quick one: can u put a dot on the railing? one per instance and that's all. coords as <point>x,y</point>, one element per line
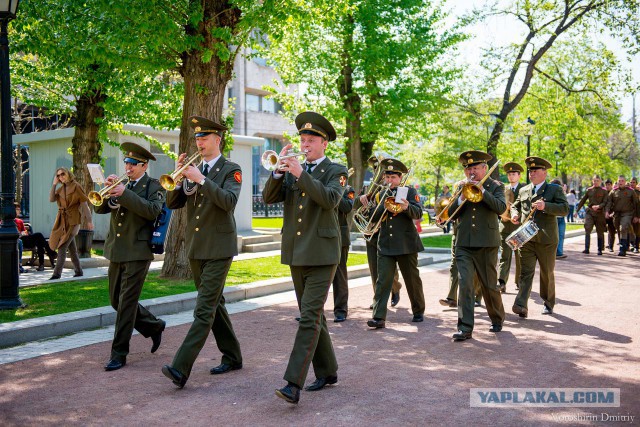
<point>261,209</point>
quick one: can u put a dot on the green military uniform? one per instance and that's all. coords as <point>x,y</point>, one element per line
<point>311,248</point>
<point>636,225</point>
<point>211,244</point>
<point>476,250</point>
<point>452,297</point>
<point>623,204</point>
<point>542,247</point>
<point>597,196</point>
<point>398,244</point>
<point>341,280</point>
<point>506,228</point>
<point>128,249</point>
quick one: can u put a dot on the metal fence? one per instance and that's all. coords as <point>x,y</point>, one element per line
<point>261,209</point>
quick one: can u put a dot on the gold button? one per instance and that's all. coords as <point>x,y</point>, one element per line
<point>201,194</point>
<point>298,233</point>
<point>121,213</point>
<point>200,205</point>
<point>390,234</point>
<point>473,216</point>
<point>474,209</point>
<point>299,219</point>
<point>197,229</point>
<point>302,194</point>
<point>198,217</point>
<point>119,224</point>
<point>118,234</point>
<point>391,226</point>
<point>300,206</point>
<point>473,225</point>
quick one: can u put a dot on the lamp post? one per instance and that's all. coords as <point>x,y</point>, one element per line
<point>9,281</point>
<point>557,154</point>
<point>531,123</point>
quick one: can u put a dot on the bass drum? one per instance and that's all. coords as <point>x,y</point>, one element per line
<point>522,235</point>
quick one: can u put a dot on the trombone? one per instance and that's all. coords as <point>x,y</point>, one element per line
<point>472,192</point>
<point>170,181</point>
<point>97,197</point>
<point>271,160</point>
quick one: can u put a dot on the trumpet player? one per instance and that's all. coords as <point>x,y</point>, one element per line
<point>511,191</point>
<point>549,201</point>
<point>133,208</point>
<point>311,248</point>
<point>210,242</point>
<point>398,244</point>
<point>477,241</point>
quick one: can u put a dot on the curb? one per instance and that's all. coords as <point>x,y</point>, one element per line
<point>22,331</point>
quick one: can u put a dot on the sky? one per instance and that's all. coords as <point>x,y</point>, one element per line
<point>503,30</point>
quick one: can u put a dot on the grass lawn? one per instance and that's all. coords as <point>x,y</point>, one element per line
<point>573,226</point>
<point>266,222</point>
<point>65,297</point>
<point>437,241</point>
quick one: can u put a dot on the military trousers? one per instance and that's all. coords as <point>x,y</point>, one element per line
<point>341,285</point>
<point>372,260</point>
<point>545,255</point>
<point>611,228</point>
<point>386,270</point>
<point>453,280</point>
<point>622,223</point>
<point>312,344</point>
<point>480,262</point>
<point>125,285</point>
<point>592,219</point>
<point>209,315</point>
<point>506,256</point>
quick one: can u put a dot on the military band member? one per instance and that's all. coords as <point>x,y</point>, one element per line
<point>597,197</point>
<point>477,243</point>
<point>210,196</point>
<point>549,202</point>
<point>310,246</point>
<point>611,228</point>
<point>372,253</point>
<point>133,208</point>
<point>398,244</point>
<point>341,280</point>
<point>622,205</point>
<point>511,191</point>
<point>635,242</point>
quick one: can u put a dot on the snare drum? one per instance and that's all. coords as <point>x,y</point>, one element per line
<point>522,235</point>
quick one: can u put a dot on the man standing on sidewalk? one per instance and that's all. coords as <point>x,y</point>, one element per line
<point>511,191</point>
<point>597,197</point>
<point>622,206</point>
<point>211,243</point>
<point>310,246</point>
<point>133,208</point>
<point>341,279</point>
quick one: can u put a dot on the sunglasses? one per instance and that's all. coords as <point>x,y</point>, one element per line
<point>61,174</point>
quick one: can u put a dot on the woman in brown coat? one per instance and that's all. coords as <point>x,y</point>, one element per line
<point>72,211</point>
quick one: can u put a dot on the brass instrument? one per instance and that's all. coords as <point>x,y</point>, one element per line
<point>271,160</point>
<point>472,192</point>
<point>97,197</point>
<point>170,181</point>
<point>363,213</point>
<point>511,197</point>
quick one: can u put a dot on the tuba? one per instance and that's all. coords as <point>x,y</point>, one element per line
<point>363,213</point>
<point>97,197</point>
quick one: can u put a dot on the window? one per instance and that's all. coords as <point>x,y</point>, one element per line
<point>253,102</point>
<point>264,104</point>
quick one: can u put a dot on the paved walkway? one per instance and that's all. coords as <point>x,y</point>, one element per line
<point>407,374</point>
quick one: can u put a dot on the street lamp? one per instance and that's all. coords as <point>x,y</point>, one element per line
<point>557,154</point>
<point>531,123</point>
<point>9,280</point>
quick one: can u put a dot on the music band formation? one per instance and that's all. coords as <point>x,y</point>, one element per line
<point>518,221</point>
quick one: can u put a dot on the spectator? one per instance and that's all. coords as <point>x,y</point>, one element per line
<point>446,194</point>
<point>562,225</point>
<point>33,240</point>
<point>571,199</point>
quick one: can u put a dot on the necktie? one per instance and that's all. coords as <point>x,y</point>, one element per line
<point>205,169</point>
<point>310,166</point>
<point>131,185</point>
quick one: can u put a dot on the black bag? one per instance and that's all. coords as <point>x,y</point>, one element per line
<point>160,228</point>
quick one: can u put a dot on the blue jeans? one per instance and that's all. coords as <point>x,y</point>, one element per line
<point>570,214</point>
<point>562,225</point>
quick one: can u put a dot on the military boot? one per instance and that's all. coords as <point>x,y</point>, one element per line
<point>623,247</point>
<point>587,243</point>
<point>600,245</point>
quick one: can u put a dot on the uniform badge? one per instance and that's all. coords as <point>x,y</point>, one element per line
<point>343,180</point>
<point>417,198</point>
<point>238,176</point>
<point>194,120</point>
<point>351,195</point>
<point>307,126</point>
<point>197,129</point>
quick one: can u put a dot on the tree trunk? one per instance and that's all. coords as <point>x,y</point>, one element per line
<point>205,88</point>
<point>85,145</point>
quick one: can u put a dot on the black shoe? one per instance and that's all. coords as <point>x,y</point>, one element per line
<point>586,251</point>
<point>448,302</point>
<point>21,269</point>
<point>610,248</point>
<point>461,336</point>
<point>41,267</point>
<point>114,365</point>
<point>547,310</point>
<point>339,318</point>
<point>495,328</point>
<point>174,375</point>
<point>290,393</point>
<point>223,368</point>
<point>520,310</point>
<point>622,253</point>
<point>78,274</point>
<point>319,383</point>
<point>599,252</point>
<point>502,286</point>
<point>395,299</point>
<point>157,338</point>
<point>54,277</point>
<point>376,323</point>
<point>418,318</point>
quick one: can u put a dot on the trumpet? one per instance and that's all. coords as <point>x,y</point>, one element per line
<point>271,160</point>
<point>97,197</point>
<point>170,181</point>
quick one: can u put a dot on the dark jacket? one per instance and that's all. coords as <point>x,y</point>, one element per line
<point>555,205</point>
<point>344,208</point>
<point>398,234</point>
<point>597,196</point>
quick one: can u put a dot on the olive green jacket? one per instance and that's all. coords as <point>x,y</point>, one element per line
<point>478,222</point>
<point>211,227</point>
<point>344,208</point>
<point>311,232</point>
<point>597,196</point>
<point>507,227</point>
<point>132,218</point>
<point>398,234</point>
<point>623,201</point>
<point>555,205</point>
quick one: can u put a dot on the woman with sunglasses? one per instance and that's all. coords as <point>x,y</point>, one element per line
<point>72,211</point>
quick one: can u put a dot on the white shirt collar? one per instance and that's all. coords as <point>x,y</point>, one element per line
<point>211,162</point>
<point>317,162</point>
